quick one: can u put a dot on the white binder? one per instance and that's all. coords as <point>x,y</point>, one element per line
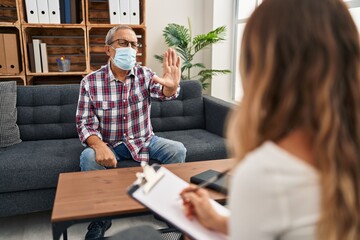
<point>124,12</point>
<point>114,11</point>
<point>54,11</point>
<point>134,12</point>
<point>44,58</point>
<point>43,11</point>
<point>31,11</point>
<point>37,55</point>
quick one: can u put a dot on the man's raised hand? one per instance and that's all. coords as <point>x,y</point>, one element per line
<point>171,72</point>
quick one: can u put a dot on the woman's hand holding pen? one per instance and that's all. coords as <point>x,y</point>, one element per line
<point>197,205</point>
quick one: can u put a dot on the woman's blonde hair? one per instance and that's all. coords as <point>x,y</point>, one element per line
<point>300,65</point>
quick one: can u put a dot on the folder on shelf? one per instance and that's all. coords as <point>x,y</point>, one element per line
<point>62,10</point>
<point>54,11</point>
<point>44,58</point>
<point>134,12</point>
<point>2,55</point>
<point>31,11</point>
<point>43,11</point>
<point>11,53</point>
<point>73,11</point>
<point>37,55</point>
<point>124,12</point>
<point>79,16</point>
<point>161,185</point>
<point>67,9</point>
<point>31,57</point>
<point>114,11</point>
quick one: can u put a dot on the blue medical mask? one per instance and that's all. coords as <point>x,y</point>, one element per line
<point>125,58</point>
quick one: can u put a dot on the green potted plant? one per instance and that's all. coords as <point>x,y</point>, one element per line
<point>180,38</point>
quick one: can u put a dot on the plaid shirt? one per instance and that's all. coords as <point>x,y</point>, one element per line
<point>119,112</point>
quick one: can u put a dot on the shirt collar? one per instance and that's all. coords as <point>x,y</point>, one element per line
<point>112,76</point>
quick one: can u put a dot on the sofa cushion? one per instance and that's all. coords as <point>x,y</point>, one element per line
<point>9,130</point>
<point>15,203</point>
<point>47,111</point>
<point>37,164</point>
<point>200,144</point>
<point>185,112</point>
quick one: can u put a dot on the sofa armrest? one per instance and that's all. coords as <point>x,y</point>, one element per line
<point>216,112</point>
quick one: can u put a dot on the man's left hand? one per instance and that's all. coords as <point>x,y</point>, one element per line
<point>171,72</point>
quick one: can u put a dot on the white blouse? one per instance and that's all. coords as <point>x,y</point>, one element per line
<point>274,195</point>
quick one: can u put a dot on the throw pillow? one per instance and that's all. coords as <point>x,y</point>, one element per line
<point>9,130</point>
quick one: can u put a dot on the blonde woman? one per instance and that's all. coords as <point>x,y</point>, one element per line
<point>297,129</point>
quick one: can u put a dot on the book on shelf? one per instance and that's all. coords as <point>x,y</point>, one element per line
<point>31,57</point>
<point>74,10</point>
<point>37,55</point>
<point>67,10</point>
<point>44,58</point>
<point>62,11</point>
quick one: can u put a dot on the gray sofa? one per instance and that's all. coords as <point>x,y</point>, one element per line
<point>50,145</point>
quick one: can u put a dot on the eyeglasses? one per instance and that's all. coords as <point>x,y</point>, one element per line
<point>125,43</point>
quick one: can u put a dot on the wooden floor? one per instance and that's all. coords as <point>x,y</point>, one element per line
<point>37,226</point>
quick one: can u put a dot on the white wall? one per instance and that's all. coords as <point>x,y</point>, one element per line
<point>205,15</point>
<point>159,13</point>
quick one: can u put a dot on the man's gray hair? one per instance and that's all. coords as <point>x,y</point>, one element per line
<point>111,32</point>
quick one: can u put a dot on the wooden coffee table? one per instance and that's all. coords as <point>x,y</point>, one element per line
<point>86,196</point>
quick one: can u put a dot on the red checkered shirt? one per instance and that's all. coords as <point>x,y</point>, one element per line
<point>119,112</point>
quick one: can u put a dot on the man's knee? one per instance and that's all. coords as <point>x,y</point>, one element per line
<point>177,152</point>
<point>88,160</point>
<point>181,152</point>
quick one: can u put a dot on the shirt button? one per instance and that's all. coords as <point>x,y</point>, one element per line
<point>124,100</point>
<point>124,118</point>
<point>124,134</point>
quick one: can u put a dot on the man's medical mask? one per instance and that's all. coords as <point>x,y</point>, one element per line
<point>125,58</point>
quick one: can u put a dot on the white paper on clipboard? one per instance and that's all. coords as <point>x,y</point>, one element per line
<point>164,200</point>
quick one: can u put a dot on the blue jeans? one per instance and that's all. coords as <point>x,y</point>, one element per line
<point>161,149</point>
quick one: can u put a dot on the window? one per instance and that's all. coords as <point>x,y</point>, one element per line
<point>243,10</point>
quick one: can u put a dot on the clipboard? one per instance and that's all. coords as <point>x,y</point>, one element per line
<point>161,196</point>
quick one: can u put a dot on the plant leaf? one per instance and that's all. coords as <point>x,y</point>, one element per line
<point>205,85</point>
<point>183,53</point>
<point>176,35</point>
<point>180,38</point>
<point>213,72</point>
<point>209,73</point>
<point>203,40</point>
<point>160,58</point>
<point>199,65</point>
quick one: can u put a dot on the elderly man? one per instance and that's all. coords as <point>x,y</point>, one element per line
<point>113,113</point>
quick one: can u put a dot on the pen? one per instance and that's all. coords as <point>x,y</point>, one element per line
<point>209,181</point>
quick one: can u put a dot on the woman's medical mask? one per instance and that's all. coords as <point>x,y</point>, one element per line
<point>125,58</point>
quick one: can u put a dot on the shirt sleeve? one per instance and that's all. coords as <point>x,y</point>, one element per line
<point>87,123</point>
<point>257,205</point>
<point>156,89</point>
